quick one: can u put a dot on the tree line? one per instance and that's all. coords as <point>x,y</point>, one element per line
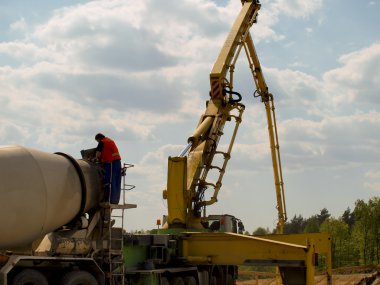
<point>355,234</point>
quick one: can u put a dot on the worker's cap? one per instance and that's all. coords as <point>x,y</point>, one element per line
<point>99,136</point>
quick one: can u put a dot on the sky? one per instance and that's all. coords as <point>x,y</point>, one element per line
<point>138,71</point>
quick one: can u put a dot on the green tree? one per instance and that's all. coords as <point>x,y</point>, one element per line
<point>261,231</point>
<point>362,228</point>
<point>323,215</point>
<point>312,225</point>
<point>374,207</point>
<point>295,226</point>
<point>344,252</point>
<point>349,218</point>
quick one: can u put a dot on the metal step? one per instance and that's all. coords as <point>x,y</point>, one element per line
<point>117,206</point>
<point>115,251</point>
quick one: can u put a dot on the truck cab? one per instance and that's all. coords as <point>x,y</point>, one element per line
<point>225,223</point>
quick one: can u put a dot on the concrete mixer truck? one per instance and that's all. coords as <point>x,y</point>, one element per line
<point>54,230</point>
<point>51,219</point>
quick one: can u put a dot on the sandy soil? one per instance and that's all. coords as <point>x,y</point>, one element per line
<point>349,279</point>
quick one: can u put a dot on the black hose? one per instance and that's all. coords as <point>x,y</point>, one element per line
<point>232,100</point>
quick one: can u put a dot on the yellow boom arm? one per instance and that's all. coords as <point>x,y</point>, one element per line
<point>240,37</point>
<point>223,106</point>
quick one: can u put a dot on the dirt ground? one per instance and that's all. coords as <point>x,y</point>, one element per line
<point>341,279</point>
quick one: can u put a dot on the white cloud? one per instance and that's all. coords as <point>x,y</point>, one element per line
<point>314,130</point>
<point>334,141</point>
<point>88,62</point>
<point>298,8</point>
<point>271,12</point>
<point>373,186</point>
<point>19,25</point>
<point>373,174</point>
<point>301,83</point>
<point>87,20</point>
<point>139,72</point>
<point>372,179</point>
<point>358,80</point>
<point>26,52</point>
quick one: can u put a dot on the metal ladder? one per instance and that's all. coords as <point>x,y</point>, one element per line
<point>115,234</point>
<point>202,182</point>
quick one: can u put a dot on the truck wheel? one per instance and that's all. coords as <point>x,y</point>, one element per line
<point>213,280</point>
<point>177,281</point>
<point>164,281</point>
<point>204,278</point>
<point>190,280</point>
<point>30,277</point>
<point>230,280</point>
<point>78,277</point>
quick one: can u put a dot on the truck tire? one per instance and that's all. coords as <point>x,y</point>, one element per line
<point>164,281</point>
<point>190,280</point>
<point>213,280</point>
<point>230,280</point>
<point>78,277</point>
<point>204,277</point>
<point>177,281</point>
<point>30,277</point>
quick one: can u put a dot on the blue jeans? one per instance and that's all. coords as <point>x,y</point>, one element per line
<point>112,181</point>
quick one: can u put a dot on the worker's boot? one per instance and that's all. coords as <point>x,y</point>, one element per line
<point>107,214</point>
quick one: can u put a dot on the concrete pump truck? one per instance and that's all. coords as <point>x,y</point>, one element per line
<point>54,230</point>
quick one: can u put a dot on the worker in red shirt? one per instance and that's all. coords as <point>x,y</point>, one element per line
<point>108,154</point>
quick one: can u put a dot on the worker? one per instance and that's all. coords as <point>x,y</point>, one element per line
<point>108,154</point>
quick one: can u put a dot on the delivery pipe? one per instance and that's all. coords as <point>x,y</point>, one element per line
<point>201,129</point>
<point>186,149</point>
<point>41,192</point>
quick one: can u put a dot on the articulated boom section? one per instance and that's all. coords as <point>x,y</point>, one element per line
<point>238,38</point>
<point>186,189</point>
<point>267,99</point>
<point>187,175</point>
<point>231,48</point>
<point>205,147</point>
